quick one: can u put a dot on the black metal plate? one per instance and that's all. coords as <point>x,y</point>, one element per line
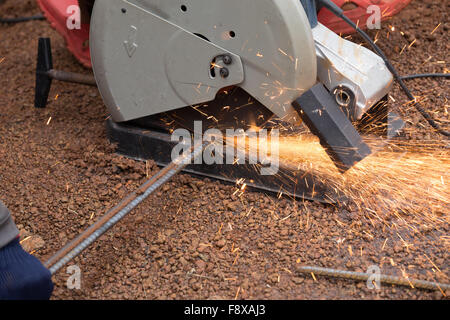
<point>144,144</point>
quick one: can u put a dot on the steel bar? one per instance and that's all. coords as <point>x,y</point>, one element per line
<point>22,19</point>
<point>361,276</point>
<point>72,77</point>
<point>85,239</point>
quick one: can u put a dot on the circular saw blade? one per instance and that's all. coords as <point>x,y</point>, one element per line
<point>233,108</point>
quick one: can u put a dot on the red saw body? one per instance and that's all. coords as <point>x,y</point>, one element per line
<point>357,11</point>
<point>56,11</point>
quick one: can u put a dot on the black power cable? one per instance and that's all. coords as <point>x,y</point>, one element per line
<point>340,13</point>
<point>22,19</point>
<point>426,75</point>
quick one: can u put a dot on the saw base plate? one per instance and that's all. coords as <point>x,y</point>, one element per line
<point>146,144</point>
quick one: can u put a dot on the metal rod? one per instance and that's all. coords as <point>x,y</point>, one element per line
<point>362,276</point>
<point>85,239</point>
<point>22,19</point>
<point>72,77</point>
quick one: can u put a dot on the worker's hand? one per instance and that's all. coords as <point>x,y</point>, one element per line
<point>22,276</point>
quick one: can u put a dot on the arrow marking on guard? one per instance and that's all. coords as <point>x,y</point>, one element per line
<point>130,44</point>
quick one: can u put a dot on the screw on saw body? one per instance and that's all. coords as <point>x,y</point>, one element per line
<point>346,99</point>
<point>45,74</point>
<point>224,72</point>
<point>227,59</point>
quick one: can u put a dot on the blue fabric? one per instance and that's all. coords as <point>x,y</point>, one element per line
<point>22,276</point>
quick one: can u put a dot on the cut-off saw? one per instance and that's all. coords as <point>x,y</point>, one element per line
<point>163,64</point>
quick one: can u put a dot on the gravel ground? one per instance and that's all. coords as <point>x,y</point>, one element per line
<point>194,239</point>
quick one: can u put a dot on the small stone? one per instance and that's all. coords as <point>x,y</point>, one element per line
<point>245,284</point>
<point>437,295</point>
<point>231,206</point>
<point>23,233</point>
<point>196,286</point>
<point>201,265</point>
<point>273,278</point>
<point>221,243</point>
<point>183,261</point>
<point>33,243</point>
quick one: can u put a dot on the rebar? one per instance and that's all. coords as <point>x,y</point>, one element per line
<point>22,19</point>
<point>362,276</point>
<point>65,76</point>
<point>85,239</point>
